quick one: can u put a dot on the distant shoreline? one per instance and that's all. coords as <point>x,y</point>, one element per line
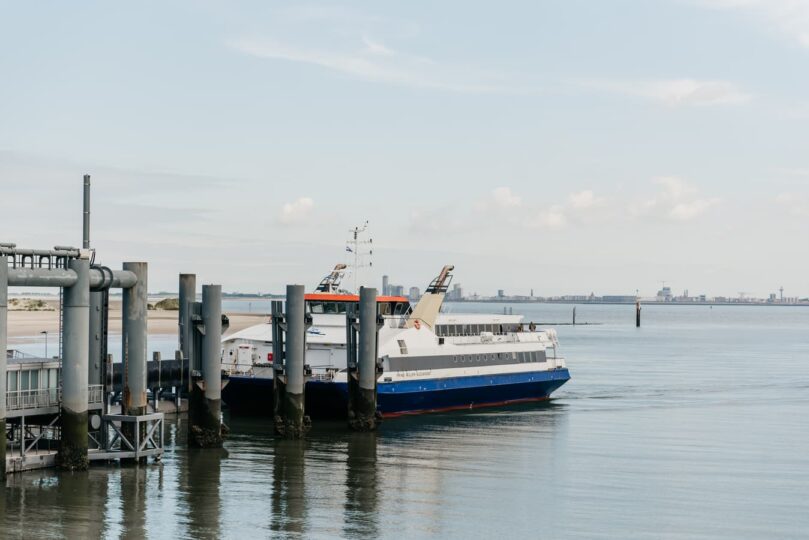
<point>642,303</point>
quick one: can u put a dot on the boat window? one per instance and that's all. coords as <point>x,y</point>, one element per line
<point>316,307</point>
<point>12,381</point>
<point>329,307</point>
<point>35,379</point>
<point>53,378</point>
<point>384,308</point>
<point>399,309</point>
<point>533,356</point>
<point>24,377</point>
<point>402,346</point>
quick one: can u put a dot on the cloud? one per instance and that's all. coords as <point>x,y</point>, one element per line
<point>676,92</point>
<point>504,198</point>
<point>787,17</point>
<point>585,199</point>
<point>376,62</point>
<point>796,205</point>
<point>677,200</point>
<point>553,218</point>
<point>297,211</point>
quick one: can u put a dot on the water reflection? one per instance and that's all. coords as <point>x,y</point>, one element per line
<point>288,494</point>
<point>408,477</point>
<point>362,487</point>
<point>200,486</point>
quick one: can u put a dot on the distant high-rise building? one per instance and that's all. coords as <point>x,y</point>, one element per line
<point>396,290</point>
<point>500,293</point>
<point>415,294</point>
<point>532,293</point>
<point>456,293</point>
<point>385,286</point>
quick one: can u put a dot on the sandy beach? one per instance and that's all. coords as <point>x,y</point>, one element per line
<point>22,324</point>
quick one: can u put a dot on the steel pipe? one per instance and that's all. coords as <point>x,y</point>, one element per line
<point>66,277</point>
<point>188,294</point>
<point>86,221</point>
<point>295,421</point>
<point>76,315</point>
<point>134,340</point>
<point>3,360</point>
<point>205,425</point>
<point>362,385</point>
<point>96,345</point>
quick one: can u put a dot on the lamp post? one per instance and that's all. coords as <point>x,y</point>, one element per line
<point>46,342</point>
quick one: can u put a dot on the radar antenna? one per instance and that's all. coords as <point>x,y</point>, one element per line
<point>362,251</point>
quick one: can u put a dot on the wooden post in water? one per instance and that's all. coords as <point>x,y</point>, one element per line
<point>574,315</point>
<point>637,313</point>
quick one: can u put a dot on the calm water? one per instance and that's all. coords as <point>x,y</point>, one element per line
<point>694,426</point>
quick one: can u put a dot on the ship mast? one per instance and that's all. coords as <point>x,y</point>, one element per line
<point>361,249</point>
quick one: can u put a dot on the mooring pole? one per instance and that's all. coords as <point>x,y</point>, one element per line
<point>637,313</point>
<point>76,314</point>
<point>3,360</point>
<point>134,340</point>
<point>205,426</point>
<point>296,423</point>
<point>362,416</point>
<point>188,294</point>
<point>279,328</point>
<point>574,315</point>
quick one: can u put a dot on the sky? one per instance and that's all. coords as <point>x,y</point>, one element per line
<point>561,147</point>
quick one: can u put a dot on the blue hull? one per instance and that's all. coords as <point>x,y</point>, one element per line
<point>247,395</point>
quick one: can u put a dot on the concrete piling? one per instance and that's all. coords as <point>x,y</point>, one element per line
<point>76,315</point>
<point>362,414</point>
<point>205,425</point>
<point>293,420</point>
<point>134,315</point>
<point>3,360</point>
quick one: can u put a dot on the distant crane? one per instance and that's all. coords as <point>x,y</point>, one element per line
<point>782,293</point>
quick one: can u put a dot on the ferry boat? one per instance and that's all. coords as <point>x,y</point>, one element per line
<point>431,361</point>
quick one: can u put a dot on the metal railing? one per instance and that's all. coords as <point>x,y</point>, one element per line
<point>47,397</point>
<point>33,399</point>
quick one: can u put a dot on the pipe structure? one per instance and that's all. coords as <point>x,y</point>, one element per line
<point>134,340</point>
<point>3,360</point>
<point>65,277</point>
<point>96,347</point>
<point>362,414</point>
<point>86,222</point>
<point>205,425</point>
<point>76,315</point>
<point>188,294</point>
<point>295,421</point>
